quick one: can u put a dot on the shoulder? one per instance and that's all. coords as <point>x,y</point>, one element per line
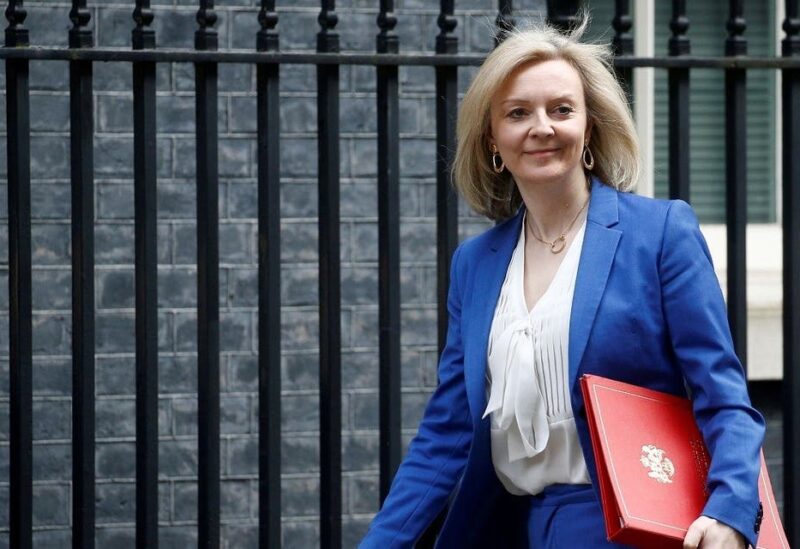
<point>655,217</point>
<point>492,239</point>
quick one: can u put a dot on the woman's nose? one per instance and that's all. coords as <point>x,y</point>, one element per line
<point>540,126</point>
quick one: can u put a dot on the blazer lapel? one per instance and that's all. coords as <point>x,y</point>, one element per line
<point>489,279</point>
<point>599,247</point>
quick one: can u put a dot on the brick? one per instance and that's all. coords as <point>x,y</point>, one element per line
<point>177,287</point>
<point>363,407</point>
<point>359,285</point>
<point>364,497</point>
<point>115,417</point>
<point>115,112</point>
<point>114,244</point>
<point>41,30</point>
<point>359,452</point>
<point>51,113</point>
<point>115,333</point>
<point>244,28</point>
<point>294,33</point>
<point>115,289</point>
<point>300,286</point>
<point>51,505</point>
<point>184,416</point>
<point>415,239</point>
<point>242,114</point>
<point>353,531</point>
<point>50,334</point>
<point>235,245</point>
<point>114,27</point>
<point>48,75</point>
<point>116,459</point>
<point>177,374</point>
<point>50,244</point>
<point>235,414</point>
<point>360,369</point>
<point>241,457</point>
<point>365,242</point>
<point>177,201</point>
<point>299,329</point>
<point>298,115</point>
<point>114,201</point>
<point>113,156</point>
<point>299,200</point>
<point>177,537</point>
<point>51,419</point>
<point>52,461</point>
<point>359,200</point>
<point>242,372</point>
<point>51,289</point>
<point>177,457</point>
<point>244,536</point>
<point>235,332</point>
<point>418,327</point>
<point>185,495</point>
<point>52,538</point>
<point>364,328</point>
<point>299,413</point>
<point>115,502</point>
<point>116,536</point>
<point>299,371</point>
<point>51,376</point>
<point>115,375</point>
<point>365,158</point>
<point>300,497</point>
<point>299,534</point>
<point>49,156</point>
<point>298,157</point>
<point>235,499</point>
<point>186,331</point>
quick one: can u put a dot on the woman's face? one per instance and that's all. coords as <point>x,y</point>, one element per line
<point>539,123</point>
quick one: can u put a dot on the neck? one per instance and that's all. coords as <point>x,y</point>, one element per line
<point>551,206</point>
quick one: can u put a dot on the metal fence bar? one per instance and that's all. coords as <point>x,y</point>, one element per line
<point>446,198</point>
<point>83,320</point>
<point>791,275</point>
<point>623,44</point>
<point>205,38</point>
<point>146,276</point>
<point>736,181</point>
<point>19,283</point>
<point>388,104</point>
<point>504,22</point>
<point>269,285</point>
<point>330,336</point>
<point>678,84</point>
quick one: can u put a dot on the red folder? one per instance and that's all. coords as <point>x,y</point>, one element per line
<point>652,466</point>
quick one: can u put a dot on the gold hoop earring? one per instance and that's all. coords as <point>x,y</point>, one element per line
<point>497,162</point>
<point>588,163</point>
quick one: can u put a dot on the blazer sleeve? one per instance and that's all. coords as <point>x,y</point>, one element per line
<point>698,326</point>
<point>438,453</point>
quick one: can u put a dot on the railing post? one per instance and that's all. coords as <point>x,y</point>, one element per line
<point>446,198</point>
<point>388,104</point>
<point>679,106</point>
<point>19,283</point>
<point>563,14</point>
<point>791,275</point>
<point>504,23</point>
<point>736,181</point>
<point>208,397</point>
<point>269,285</point>
<point>330,344</point>
<point>146,276</point>
<point>83,319</point>
<point>623,44</point>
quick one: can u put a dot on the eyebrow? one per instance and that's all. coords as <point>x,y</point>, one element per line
<point>566,96</point>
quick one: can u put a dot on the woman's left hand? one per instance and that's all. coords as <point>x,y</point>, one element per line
<point>708,533</point>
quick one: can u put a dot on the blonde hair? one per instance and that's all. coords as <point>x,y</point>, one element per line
<point>614,143</point>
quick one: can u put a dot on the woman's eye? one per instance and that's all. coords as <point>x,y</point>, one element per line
<point>516,113</point>
<point>564,109</point>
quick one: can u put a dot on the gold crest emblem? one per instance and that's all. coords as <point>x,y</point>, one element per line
<point>660,466</point>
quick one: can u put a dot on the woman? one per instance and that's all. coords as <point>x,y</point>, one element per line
<point>578,277</point>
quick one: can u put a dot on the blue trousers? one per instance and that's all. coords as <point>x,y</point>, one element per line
<point>567,516</point>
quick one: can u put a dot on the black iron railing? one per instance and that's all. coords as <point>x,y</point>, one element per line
<point>144,57</point>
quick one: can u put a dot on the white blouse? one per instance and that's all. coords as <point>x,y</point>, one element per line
<point>533,435</point>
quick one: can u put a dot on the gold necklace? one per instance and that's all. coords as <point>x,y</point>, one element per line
<point>557,246</point>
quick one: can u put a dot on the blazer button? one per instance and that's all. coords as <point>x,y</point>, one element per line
<point>759,516</point>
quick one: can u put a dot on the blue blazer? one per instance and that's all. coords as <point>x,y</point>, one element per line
<point>647,309</point>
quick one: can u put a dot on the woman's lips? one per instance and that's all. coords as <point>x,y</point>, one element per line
<point>542,152</point>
